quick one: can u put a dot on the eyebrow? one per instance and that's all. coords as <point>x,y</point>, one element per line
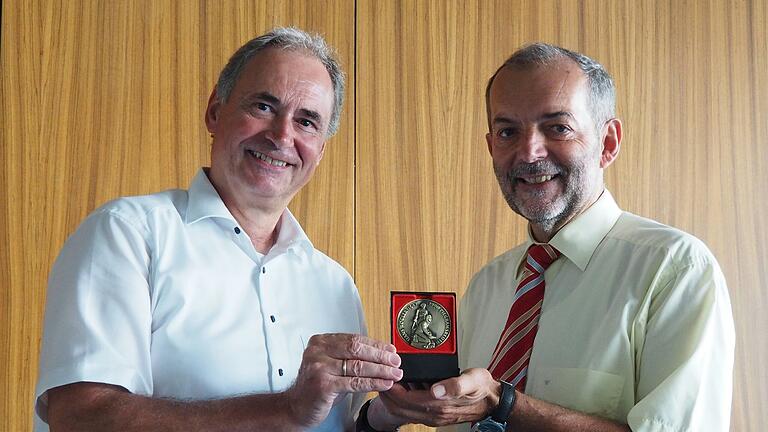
<point>264,96</point>
<point>312,115</point>
<point>547,116</point>
<point>503,120</point>
<point>274,100</point>
<point>550,116</point>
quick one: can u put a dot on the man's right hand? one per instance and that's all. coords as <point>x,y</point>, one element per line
<point>466,398</point>
<point>371,365</point>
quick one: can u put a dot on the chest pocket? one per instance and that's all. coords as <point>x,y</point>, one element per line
<point>588,391</point>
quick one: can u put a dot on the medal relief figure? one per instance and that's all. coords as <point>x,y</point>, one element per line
<point>421,335</point>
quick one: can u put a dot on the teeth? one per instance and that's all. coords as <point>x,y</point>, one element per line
<point>539,179</point>
<point>267,159</point>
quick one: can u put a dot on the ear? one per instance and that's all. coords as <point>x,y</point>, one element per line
<point>322,153</point>
<point>489,141</point>
<point>611,142</point>
<point>212,112</point>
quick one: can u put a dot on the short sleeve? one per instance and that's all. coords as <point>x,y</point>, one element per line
<point>684,367</point>
<point>98,315</point>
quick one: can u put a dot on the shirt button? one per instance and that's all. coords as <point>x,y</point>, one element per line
<point>237,230</point>
<point>272,317</point>
<point>263,270</point>
<point>280,372</point>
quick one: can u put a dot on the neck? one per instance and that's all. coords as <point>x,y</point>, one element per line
<point>543,232</point>
<point>260,222</point>
<point>262,227</point>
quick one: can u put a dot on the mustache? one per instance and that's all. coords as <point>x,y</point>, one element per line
<point>542,167</point>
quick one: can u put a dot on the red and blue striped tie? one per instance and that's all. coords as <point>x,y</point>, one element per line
<point>513,351</point>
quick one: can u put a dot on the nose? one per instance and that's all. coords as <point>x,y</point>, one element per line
<point>280,131</point>
<point>532,146</point>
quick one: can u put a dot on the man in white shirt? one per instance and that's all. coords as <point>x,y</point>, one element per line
<point>633,329</point>
<point>209,309</point>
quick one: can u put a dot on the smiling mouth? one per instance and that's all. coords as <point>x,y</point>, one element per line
<point>536,180</point>
<point>267,159</point>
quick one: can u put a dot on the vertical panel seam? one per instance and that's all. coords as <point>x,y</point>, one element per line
<point>354,148</point>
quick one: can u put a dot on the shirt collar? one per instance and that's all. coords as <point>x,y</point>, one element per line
<point>291,236</point>
<point>579,238</point>
<point>205,202</point>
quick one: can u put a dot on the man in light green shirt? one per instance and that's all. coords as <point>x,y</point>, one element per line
<point>635,330</point>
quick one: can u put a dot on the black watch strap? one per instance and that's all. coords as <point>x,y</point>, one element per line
<point>506,403</point>
<point>361,424</point>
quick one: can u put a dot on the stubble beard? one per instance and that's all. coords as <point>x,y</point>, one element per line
<point>548,215</point>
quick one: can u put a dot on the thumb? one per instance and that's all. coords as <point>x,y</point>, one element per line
<point>469,382</point>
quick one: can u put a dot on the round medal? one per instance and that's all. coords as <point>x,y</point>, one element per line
<point>424,324</point>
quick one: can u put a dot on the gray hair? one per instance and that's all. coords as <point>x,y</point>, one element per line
<point>291,39</point>
<point>602,92</point>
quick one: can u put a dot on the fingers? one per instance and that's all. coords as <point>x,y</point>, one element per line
<point>371,365</point>
<point>353,346</point>
<point>360,368</point>
<point>335,364</point>
<point>362,356</point>
<point>364,385</point>
<point>468,397</point>
<point>417,406</point>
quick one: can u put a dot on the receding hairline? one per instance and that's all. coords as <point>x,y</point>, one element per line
<point>538,66</point>
<point>300,51</point>
<point>601,87</point>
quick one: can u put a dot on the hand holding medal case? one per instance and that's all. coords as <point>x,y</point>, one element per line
<point>424,333</point>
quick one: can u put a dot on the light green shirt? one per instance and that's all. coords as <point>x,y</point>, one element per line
<point>636,323</point>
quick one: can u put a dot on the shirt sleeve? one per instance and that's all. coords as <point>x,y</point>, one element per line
<point>684,365</point>
<point>98,315</point>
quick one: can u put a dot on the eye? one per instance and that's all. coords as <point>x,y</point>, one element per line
<point>505,132</point>
<point>258,108</point>
<point>560,129</point>
<point>307,124</point>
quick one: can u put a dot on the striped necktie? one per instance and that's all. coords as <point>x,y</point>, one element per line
<point>513,351</point>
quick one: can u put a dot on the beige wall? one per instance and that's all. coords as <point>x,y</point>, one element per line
<point>102,99</point>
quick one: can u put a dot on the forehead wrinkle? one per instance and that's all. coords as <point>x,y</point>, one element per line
<point>563,84</point>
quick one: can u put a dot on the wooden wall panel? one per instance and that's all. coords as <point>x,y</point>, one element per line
<point>20,311</point>
<point>105,99</point>
<point>692,92</point>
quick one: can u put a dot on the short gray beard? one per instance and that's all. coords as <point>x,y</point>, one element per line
<point>549,218</point>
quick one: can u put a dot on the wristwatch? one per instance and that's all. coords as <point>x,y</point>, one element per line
<point>497,421</point>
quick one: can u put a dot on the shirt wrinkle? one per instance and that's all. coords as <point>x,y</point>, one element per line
<point>592,351</point>
<point>216,320</point>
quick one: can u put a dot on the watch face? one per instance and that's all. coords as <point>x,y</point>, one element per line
<point>488,425</point>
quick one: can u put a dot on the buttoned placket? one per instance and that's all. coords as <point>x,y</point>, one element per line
<point>275,335</point>
<point>266,284</point>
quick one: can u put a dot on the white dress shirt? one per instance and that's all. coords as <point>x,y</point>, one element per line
<point>636,323</point>
<point>166,296</point>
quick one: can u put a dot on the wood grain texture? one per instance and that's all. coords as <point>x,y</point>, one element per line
<point>106,99</point>
<point>103,99</point>
<point>692,93</point>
